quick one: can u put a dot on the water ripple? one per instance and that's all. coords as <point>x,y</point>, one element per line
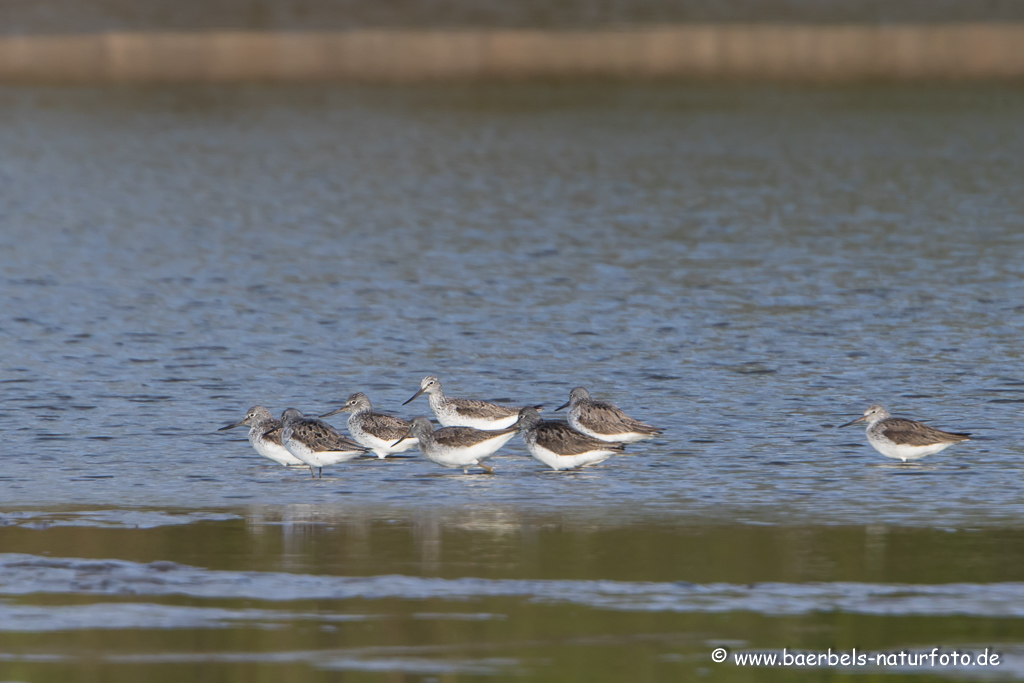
<point>22,575</point>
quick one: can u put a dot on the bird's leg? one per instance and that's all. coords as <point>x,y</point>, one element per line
<point>311,472</point>
<point>321,475</point>
<point>485,468</point>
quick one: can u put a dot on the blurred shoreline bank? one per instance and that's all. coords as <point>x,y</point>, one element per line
<point>812,53</point>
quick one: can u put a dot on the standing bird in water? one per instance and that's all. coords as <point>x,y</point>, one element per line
<point>375,431</point>
<point>900,439</point>
<point>561,447</point>
<point>315,442</point>
<point>604,421</point>
<point>459,447</point>
<point>265,436</point>
<point>465,412</point>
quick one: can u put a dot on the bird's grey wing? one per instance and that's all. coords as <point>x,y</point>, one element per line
<point>604,418</point>
<point>320,436</point>
<point>562,439</point>
<point>464,437</point>
<point>484,410</point>
<point>911,433</point>
<point>275,434</point>
<point>458,437</point>
<point>387,427</point>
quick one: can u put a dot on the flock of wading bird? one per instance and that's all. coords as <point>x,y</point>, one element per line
<point>472,431</point>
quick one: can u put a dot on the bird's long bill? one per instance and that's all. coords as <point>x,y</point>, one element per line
<point>407,434</point>
<point>232,426</point>
<point>853,422</point>
<point>414,397</point>
<point>561,407</point>
<point>333,412</point>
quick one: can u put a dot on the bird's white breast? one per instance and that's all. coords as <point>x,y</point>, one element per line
<point>458,457</point>
<point>566,462</point>
<point>906,452</point>
<point>382,447</point>
<point>272,451</point>
<point>316,458</point>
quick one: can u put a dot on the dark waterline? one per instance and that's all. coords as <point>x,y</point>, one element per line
<point>67,16</point>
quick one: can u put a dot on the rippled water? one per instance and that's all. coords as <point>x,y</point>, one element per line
<point>71,16</point>
<point>746,268</point>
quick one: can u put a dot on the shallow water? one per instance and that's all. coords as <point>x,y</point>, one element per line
<point>747,268</point>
